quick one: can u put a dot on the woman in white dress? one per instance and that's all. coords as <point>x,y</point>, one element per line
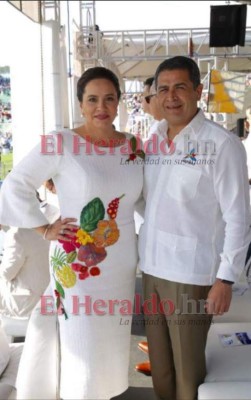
<point>98,174</point>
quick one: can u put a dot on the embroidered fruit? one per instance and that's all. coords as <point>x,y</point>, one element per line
<point>94,271</point>
<point>106,234</point>
<point>66,276</point>
<point>113,207</point>
<point>91,254</point>
<point>78,267</point>
<point>84,275</point>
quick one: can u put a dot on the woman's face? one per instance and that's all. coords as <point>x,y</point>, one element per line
<point>99,103</point>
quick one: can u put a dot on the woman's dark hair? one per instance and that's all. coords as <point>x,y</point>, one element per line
<point>96,73</point>
<point>180,62</point>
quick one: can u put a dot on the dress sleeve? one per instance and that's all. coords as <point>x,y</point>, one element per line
<point>18,203</point>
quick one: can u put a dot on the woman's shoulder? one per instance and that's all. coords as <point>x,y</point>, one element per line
<point>61,137</point>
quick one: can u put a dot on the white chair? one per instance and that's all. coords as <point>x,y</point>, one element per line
<point>14,326</point>
<point>228,368</point>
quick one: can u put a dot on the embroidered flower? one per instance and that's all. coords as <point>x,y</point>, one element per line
<point>87,247</point>
<point>83,237</point>
<point>70,246</point>
<point>106,234</point>
<point>136,152</point>
<point>67,246</point>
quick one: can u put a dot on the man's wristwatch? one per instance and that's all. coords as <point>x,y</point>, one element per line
<point>227,282</point>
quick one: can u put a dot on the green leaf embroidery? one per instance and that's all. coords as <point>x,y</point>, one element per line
<point>133,142</point>
<point>71,257</point>
<point>58,258</point>
<point>141,154</point>
<point>60,289</point>
<point>91,214</point>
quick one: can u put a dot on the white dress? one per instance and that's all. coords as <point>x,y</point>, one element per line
<point>92,278</point>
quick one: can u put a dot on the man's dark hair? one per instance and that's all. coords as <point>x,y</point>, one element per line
<point>149,81</point>
<point>96,73</point>
<point>180,62</point>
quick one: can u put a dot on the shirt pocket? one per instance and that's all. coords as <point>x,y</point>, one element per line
<point>183,183</point>
<point>175,252</point>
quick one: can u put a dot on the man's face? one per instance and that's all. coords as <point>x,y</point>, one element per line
<point>177,97</point>
<point>145,105</point>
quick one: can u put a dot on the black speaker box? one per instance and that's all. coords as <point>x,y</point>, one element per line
<point>240,127</point>
<point>228,25</point>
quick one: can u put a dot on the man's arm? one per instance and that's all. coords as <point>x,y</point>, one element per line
<point>232,192</point>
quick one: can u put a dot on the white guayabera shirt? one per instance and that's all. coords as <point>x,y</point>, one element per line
<point>197,218</point>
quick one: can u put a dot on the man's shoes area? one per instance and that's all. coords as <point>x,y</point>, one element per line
<point>144,368</point>
<point>143,346</point>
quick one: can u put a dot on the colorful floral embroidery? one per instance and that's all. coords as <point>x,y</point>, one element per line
<point>91,254</point>
<point>79,257</point>
<point>83,237</point>
<point>106,234</point>
<point>135,152</point>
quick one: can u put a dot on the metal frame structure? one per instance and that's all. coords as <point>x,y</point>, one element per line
<point>50,10</point>
<point>128,51</point>
<point>146,45</point>
<point>135,54</point>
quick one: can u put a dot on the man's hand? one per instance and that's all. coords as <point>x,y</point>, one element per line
<point>219,298</point>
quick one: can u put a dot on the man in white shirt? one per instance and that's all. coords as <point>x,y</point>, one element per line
<point>194,240</point>
<point>145,95</point>
<point>150,105</point>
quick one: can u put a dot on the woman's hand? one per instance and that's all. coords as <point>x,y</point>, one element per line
<point>62,229</point>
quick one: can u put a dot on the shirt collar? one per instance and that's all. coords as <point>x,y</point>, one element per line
<point>193,126</point>
<point>162,128</point>
<point>197,121</point>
